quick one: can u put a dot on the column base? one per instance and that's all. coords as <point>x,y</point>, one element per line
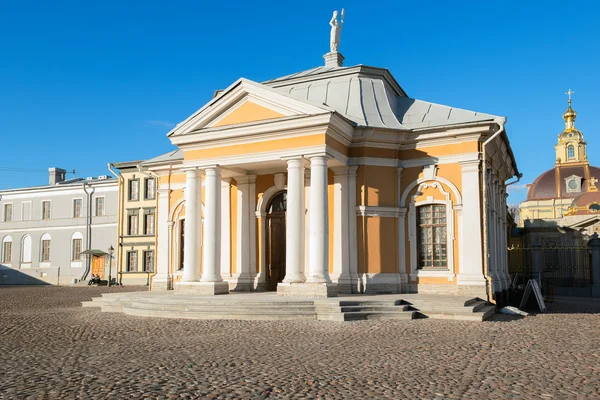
<point>307,289</point>
<point>203,288</point>
<point>162,282</point>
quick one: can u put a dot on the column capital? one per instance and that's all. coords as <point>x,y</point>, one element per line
<point>212,170</point>
<point>245,179</point>
<point>470,165</point>
<point>341,171</point>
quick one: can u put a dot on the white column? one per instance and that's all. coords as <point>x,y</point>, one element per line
<point>294,255</point>
<point>352,227</point>
<point>471,262</point>
<point>306,221</point>
<point>193,224</point>
<point>401,234</point>
<point>226,228</point>
<point>246,231</point>
<point>341,231</point>
<point>162,279</point>
<point>319,221</point>
<point>212,226</point>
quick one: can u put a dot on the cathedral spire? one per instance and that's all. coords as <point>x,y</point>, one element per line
<point>570,115</point>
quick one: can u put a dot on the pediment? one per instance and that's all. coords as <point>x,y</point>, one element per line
<point>244,102</point>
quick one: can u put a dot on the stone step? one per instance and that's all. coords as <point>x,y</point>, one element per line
<point>401,308</point>
<point>219,303</point>
<point>238,307</point>
<point>481,315</point>
<point>362,315</point>
<point>385,303</point>
<point>255,315</point>
<point>445,309</point>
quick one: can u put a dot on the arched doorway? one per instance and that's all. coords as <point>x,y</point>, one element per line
<point>275,224</point>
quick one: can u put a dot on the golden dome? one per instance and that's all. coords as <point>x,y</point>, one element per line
<point>570,113</point>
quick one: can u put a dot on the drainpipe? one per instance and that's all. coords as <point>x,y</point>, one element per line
<point>120,197</point>
<point>489,287</point>
<point>88,227</point>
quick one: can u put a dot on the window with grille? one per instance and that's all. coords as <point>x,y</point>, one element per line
<point>149,189</point>
<point>148,261</point>
<point>571,152</point>
<point>132,261</point>
<point>45,210</point>
<point>134,190</point>
<point>7,251</point>
<point>45,250</point>
<point>77,208</point>
<point>132,224</point>
<point>7,212</point>
<point>432,236</point>
<point>76,249</point>
<point>99,206</point>
<point>149,222</point>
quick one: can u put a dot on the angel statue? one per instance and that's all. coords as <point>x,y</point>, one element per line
<point>336,29</point>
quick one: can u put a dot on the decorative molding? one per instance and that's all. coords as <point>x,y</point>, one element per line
<point>376,211</point>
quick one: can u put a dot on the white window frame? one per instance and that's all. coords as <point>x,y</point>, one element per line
<point>146,214</point>
<point>3,260</point>
<point>127,261</point>
<point>23,210</point>
<point>24,263</point>
<point>49,209</point>
<point>144,253</point>
<point>129,197</point>
<point>103,206</point>
<point>413,239</point>
<point>76,263</point>
<point>12,212</point>
<point>45,237</point>
<point>81,209</point>
<point>153,194</point>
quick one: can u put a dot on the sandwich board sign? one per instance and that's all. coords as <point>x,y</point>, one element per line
<point>532,285</point>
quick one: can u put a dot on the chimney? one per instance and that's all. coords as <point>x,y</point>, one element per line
<point>57,175</point>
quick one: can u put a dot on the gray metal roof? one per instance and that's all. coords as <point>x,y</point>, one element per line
<point>369,96</point>
<point>174,155</point>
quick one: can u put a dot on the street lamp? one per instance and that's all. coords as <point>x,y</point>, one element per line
<point>111,250</point>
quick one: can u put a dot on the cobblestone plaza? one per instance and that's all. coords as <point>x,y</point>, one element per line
<point>51,347</point>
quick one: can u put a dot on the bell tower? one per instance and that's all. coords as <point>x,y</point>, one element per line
<point>571,148</point>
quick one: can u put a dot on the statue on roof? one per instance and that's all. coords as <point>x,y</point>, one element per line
<point>336,29</point>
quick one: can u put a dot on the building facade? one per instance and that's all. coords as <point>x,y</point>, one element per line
<point>333,181</point>
<point>563,203</point>
<point>44,230</point>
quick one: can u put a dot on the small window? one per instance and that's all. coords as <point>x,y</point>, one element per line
<point>7,250</point>
<point>570,152</point>
<point>594,207</point>
<point>132,224</point>
<point>8,208</point>
<point>148,261</point>
<point>432,236</point>
<point>76,249</point>
<point>77,208</point>
<point>132,261</point>
<point>149,189</point>
<point>149,222</point>
<point>45,250</point>
<point>45,210</point>
<point>134,190</point>
<point>99,206</point>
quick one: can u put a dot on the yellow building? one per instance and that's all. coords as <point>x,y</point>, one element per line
<point>563,203</point>
<point>136,251</point>
<point>333,180</point>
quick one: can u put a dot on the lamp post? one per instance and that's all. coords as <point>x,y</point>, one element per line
<point>111,250</point>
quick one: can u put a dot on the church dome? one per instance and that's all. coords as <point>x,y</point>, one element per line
<point>547,185</point>
<point>585,203</point>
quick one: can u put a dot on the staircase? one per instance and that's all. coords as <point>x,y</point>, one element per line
<point>269,306</point>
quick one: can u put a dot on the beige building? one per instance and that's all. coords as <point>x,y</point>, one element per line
<point>327,181</point>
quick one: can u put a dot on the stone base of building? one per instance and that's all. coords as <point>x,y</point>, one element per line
<point>241,287</point>
<point>381,283</point>
<point>203,288</point>
<point>307,289</point>
<point>161,283</point>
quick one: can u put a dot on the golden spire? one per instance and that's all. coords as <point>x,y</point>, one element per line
<point>570,115</point>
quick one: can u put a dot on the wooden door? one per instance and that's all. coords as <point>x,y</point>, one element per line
<point>98,266</point>
<point>276,249</point>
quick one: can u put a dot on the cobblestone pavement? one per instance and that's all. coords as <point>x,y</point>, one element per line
<point>51,347</point>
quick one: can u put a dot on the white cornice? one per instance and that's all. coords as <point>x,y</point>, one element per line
<point>376,211</point>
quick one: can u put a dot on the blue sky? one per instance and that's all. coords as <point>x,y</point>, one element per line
<point>83,83</point>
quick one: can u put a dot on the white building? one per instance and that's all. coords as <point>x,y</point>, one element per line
<point>44,230</point>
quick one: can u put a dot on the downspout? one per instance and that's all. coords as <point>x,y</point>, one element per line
<point>489,287</point>
<point>88,227</point>
<point>119,222</point>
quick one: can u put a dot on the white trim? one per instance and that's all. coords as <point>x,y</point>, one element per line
<point>30,202</point>
<point>42,201</point>
<point>419,181</point>
<point>56,228</point>
<point>451,159</point>
<point>12,211</point>
<point>96,206</point>
<point>81,208</point>
<point>377,211</point>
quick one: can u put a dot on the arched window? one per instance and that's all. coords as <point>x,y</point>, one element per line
<point>432,241</point>
<point>7,250</point>
<point>571,152</point>
<point>76,241</point>
<point>278,203</point>
<point>26,249</point>
<point>45,249</point>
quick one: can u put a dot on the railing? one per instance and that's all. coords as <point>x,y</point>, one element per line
<point>565,267</point>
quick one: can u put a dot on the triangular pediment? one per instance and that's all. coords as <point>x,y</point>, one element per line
<point>245,102</point>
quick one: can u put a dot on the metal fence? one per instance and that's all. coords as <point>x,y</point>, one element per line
<point>552,267</point>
